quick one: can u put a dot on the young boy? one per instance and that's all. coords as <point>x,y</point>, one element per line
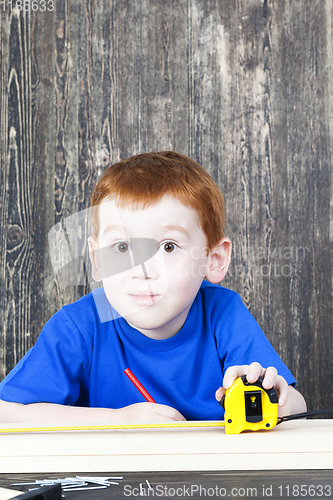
<point>158,231</point>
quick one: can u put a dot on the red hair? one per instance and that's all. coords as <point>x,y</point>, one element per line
<point>144,179</point>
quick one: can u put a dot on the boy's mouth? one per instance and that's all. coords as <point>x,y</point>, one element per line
<point>144,299</point>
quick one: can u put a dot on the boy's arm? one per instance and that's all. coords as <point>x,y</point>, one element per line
<point>43,413</point>
<point>290,400</point>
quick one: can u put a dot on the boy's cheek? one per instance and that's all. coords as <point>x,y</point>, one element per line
<point>192,268</point>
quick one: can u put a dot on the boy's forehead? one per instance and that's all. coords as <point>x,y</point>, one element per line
<point>168,211</point>
<point>108,210</point>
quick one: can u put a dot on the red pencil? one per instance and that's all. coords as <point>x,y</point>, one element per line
<point>140,387</point>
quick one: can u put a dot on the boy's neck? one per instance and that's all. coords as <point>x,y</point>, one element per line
<point>166,331</point>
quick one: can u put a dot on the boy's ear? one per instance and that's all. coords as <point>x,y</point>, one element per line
<point>94,259</point>
<point>219,260</point>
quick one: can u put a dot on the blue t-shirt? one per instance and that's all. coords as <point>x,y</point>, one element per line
<point>79,360</point>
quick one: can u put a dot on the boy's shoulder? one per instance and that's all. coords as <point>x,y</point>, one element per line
<point>210,291</point>
<point>220,303</point>
<point>93,307</point>
<point>86,302</point>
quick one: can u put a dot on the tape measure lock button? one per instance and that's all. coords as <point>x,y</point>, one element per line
<point>253,406</point>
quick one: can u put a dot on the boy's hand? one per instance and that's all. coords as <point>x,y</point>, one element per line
<point>148,413</point>
<point>252,372</point>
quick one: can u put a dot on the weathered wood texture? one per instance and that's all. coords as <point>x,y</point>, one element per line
<point>242,86</point>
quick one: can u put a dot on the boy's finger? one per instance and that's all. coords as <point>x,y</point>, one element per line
<point>219,393</point>
<point>157,418</point>
<point>282,388</point>
<point>270,377</point>
<point>169,412</point>
<point>254,371</point>
<point>232,373</point>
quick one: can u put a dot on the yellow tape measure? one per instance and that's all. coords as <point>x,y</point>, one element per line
<point>115,427</point>
<point>247,407</point>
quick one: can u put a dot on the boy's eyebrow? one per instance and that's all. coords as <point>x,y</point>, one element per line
<point>176,228</point>
<point>110,227</point>
<point>181,229</point>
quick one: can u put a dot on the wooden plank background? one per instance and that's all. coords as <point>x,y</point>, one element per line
<point>242,86</point>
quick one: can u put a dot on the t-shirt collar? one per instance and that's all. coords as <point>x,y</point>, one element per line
<point>187,330</point>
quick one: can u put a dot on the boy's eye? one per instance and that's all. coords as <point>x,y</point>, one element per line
<point>169,247</point>
<point>122,247</point>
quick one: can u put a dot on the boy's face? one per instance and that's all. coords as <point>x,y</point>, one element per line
<point>154,298</point>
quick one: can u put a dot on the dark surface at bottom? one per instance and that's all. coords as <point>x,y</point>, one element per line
<point>301,484</point>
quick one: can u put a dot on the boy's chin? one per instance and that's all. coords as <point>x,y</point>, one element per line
<point>142,320</point>
<point>153,327</point>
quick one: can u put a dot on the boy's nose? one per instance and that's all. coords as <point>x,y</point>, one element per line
<point>145,271</point>
<point>142,251</point>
